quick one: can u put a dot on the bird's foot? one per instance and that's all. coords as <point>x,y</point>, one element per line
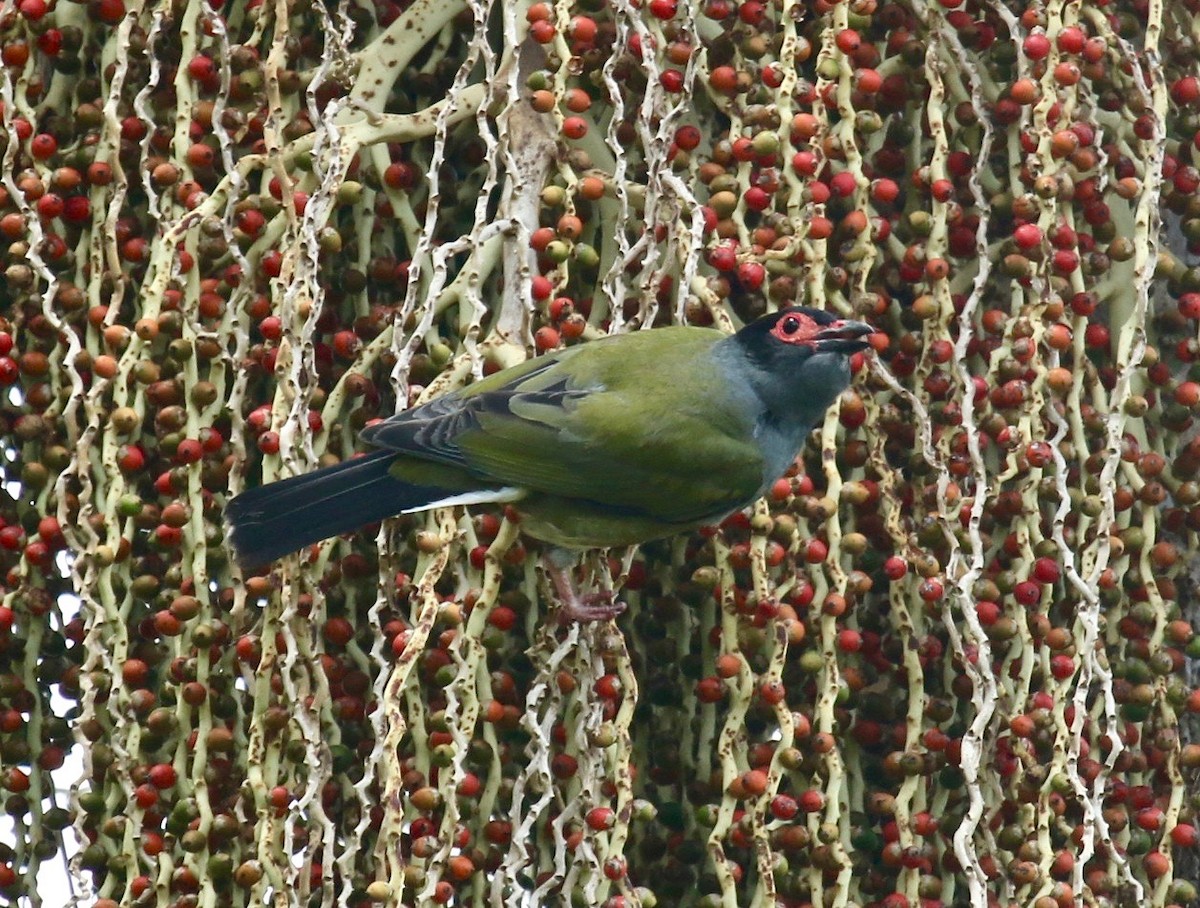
<point>602,605</point>
<point>599,606</point>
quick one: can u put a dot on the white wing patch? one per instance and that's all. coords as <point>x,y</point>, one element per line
<point>502,495</point>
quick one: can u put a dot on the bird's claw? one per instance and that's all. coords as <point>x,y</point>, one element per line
<point>599,606</point>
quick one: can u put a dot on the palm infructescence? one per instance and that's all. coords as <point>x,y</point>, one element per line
<point>943,659</point>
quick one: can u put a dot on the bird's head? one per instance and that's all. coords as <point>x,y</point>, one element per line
<point>802,354</point>
<point>798,334</point>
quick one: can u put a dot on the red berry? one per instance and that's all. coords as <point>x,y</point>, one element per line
<point>924,823</point>
<point>784,807</point>
<point>811,800</point>
<point>50,531</point>
<point>271,263</point>
<point>1067,73</point>
<point>608,687</point>
<point>757,199</point>
<point>772,692</point>
<point>884,190</point>
<point>50,206</point>
<point>1046,570</point>
<point>601,818</point>
<point>564,766</point>
<point>895,568</point>
<point>1150,819</point>
<point>1070,40</point>
<point>162,775</point>
<point>202,68</point>
<point>248,649</point>
<point>723,79</point>
<point>338,631</point>
<point>130,458</point>
<point>942,190</point>
<point>752,12</point>
<point>1027,593</point>
<point>502,617</point>
<point>1184,835</point>
<point>931,590</point>
<point>400,175</point>
<point>145,796</point>
<point>271,328</point>
<point>268,442</point>
<point>76,209</point>
<point>708,690</point>
<point>723,258</point>
<point>1022,726</point>
<point>804,163</point>
<point>687,137</point>
<point>672,80</point>
<point>15,780</point>
<point>251,221</point>
<point>110,12</point>
<point>849,641</point>
<point>753,783</point>
<point>1037,46</point>
<point>1039,453</point>
<point>582,28</point>
<point>743,149</point>
<point>542,31</point>
<point>574,127</point>
<point>1186,90</point>
<point>189,450</point>
<point>1027,236</point>
<point>1062,666</point>
<point>843,184</point>
<point>1187,394</point>
<point>37,553</point>
<point>1096,336</point>
<point>868,80</point>
<point>751,275</point>
<point>1189,307</point>
<point>848,40</point>
<point>1065,262</point>
<point>815,551</point>
<point>43,145</point>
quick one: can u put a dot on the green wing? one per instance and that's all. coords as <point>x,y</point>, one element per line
<point>629,422</point>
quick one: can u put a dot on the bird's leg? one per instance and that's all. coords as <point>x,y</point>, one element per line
<point>601,605</point>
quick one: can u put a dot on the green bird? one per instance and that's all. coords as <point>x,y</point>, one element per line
<point>609,443</point>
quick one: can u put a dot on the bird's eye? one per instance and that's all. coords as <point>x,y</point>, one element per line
<point>790,325</point>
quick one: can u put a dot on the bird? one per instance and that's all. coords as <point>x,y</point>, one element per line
<point>612,442</point>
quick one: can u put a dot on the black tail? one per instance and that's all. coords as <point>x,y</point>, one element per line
<point>270,521</point>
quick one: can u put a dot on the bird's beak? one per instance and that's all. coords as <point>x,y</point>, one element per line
<point>844,336</point>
